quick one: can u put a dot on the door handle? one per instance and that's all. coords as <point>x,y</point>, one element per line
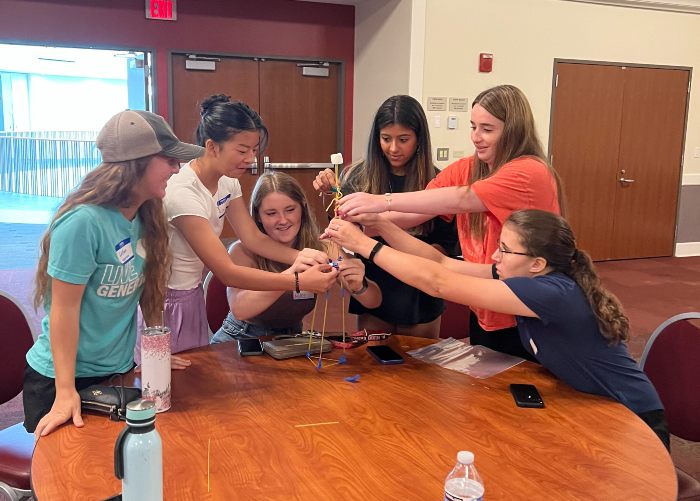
<point>624,181</point>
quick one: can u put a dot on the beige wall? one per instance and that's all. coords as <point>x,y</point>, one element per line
<point>389,57</point>
<point>525,38</point>
<point>382,61</point>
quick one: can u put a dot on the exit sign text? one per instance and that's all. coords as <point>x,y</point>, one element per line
<point>164,10</point>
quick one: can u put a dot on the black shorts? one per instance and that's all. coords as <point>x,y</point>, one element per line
<point>502,340</point>
<point>657,422</point>
<point>40,393</point>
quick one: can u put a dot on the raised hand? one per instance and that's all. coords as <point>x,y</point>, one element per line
<point>319,278</point>
<point>325,181</point>
<point>361,203</point>
<point>351,271</point>
<point>307,258</point>
<point>346,234</point>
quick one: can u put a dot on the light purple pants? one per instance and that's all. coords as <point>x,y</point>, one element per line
<point>186,315</point>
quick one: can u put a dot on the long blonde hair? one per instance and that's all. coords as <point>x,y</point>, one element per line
<point>112,184</point>
<point>519,139</point>
<point>308,236</point>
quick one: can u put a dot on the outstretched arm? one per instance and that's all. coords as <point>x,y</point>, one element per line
<point>244,303</point>
<point>429,276</point>
<point>379,224</point>
<point>206,244</point>
<point>449,200</point>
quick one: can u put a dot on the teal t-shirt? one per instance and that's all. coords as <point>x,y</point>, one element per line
<point>96,246</point>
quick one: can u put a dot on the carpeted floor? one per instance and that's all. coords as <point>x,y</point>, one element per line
<point>19,245</point>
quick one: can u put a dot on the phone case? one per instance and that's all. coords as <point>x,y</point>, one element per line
<point>295,347</point>
<point>246,352</point>
<point>396,357</point>
<point>526,395</point>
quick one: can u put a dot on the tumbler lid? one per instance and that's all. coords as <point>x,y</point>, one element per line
<point>139,412</point>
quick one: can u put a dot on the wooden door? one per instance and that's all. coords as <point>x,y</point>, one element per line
<point>607,119</point>
<point>651,150</point>
<point>300,111</point>
<point>588,111</point>
<point>302,114</point>
<point>237,78</point>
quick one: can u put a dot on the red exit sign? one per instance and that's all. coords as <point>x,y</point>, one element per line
<point>165,10</point>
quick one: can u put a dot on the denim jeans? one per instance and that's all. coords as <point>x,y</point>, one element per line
<point>233,329</point>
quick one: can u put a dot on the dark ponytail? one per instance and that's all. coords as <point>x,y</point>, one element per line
<point>222,118</point>
<point>547,235</point>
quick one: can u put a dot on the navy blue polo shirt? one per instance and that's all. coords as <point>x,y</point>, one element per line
<point>566,340</point>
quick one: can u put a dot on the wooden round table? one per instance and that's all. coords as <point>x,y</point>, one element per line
<point>280,429</point>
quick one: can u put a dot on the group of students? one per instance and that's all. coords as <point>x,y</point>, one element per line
<point>131,235</point>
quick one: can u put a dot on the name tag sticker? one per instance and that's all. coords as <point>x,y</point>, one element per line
<point>302,295</point>
<point>533,346</point>
<point>124,251</point>
<point>223,200</point>
<point>220,207</point>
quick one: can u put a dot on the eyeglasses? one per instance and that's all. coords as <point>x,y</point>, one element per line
<point>501,250</point>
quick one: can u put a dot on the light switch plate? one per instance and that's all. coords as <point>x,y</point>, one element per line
<point>443,154</point>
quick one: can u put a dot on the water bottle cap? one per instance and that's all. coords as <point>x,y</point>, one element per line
<point>465,457</point>
<point>140,410</point>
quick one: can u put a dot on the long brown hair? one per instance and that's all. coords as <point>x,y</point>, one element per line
<point>519,139</point>
<point>112,184</point>
<point>547,235</point>
<point>308,236</point>
<point>372,174</point>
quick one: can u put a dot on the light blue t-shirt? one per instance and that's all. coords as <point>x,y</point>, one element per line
<point>96,246</point>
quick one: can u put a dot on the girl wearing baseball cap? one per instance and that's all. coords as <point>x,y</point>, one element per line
<point>104,253</point>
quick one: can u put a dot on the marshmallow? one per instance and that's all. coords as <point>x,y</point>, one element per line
<point>337,159</point>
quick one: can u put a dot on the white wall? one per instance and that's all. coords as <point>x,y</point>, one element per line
<point>525,38</point>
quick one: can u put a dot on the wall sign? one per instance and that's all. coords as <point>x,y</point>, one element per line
<point>164,10</point>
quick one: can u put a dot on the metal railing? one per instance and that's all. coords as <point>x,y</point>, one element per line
<point>46,163</point>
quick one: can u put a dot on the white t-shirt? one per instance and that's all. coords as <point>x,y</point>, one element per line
<point>187,196</point>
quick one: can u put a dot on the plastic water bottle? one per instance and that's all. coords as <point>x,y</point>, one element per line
<point>138,454</point>
<point>463,483</point>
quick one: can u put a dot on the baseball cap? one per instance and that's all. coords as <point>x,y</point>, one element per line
<point>132,134</point>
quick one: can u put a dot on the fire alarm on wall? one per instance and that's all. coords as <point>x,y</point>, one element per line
<point>485,62</point>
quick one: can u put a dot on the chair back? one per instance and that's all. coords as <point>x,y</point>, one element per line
<point>671,359</point>
<point>216,302</point>
<point>455,321</point>
<point>16,337</point>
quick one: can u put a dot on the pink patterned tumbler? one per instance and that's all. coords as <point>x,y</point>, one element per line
<point>155,366</point>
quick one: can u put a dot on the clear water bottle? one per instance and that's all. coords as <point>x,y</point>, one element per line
<point>138,454</point>
<point>463,483</point>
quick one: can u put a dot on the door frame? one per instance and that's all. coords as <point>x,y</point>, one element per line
<point>340,139</point>
<point>552,105</point>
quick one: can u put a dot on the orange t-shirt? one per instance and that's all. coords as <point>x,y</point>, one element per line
<point>523,183</point>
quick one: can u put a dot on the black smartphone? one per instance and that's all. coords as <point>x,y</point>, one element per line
<point>385,354</point>
<point>248,347</point>
<point>526,395</point>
